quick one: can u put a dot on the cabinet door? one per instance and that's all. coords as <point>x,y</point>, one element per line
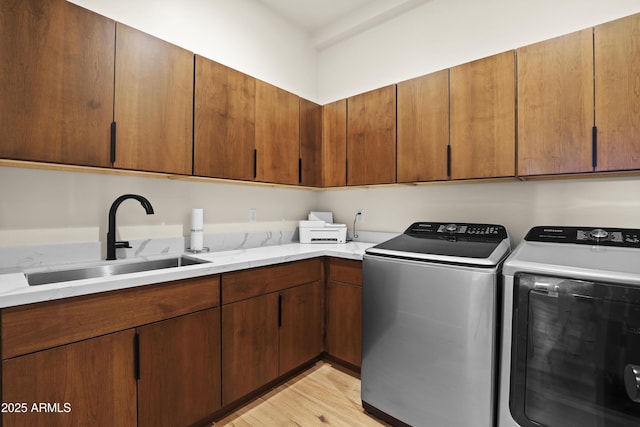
<point>617,78</point>
<point>153,104</point>
<point>334,144</point>
<point>249,345</point>
<point>224,126</point>
<point>310,143</point>
<point>343,338</point>
<point>555,105</point>
<point>277,134</point>
<point>301,323</point>
<point>371,137</point>
<point>179,369</point>
<point>423,128</point>
<point>91,382</point>
<point>483,118</point>
<point>344,322</point>
<point>56,80</point>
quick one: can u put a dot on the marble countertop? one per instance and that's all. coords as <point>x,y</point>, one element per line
<point>14,289</point>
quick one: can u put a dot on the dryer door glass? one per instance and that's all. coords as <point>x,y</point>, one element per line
<point>575,345</point>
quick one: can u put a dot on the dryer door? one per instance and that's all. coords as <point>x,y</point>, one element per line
<point>574,342</point>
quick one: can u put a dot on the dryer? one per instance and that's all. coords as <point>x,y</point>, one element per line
<point>571,329</point>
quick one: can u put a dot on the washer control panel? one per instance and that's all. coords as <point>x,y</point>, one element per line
<point>468,231</point>
<point>622,237</point>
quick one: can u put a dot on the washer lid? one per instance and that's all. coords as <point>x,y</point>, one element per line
<point>472,244</point>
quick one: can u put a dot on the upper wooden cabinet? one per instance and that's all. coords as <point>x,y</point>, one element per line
<point>310,143</point>
<point>56,80</point>
<point>277,135</point>
<point>334,144</point>
<point>153,104</point>
<point>617,94</point>
<point>224,122</point>
<point>371,137</point>
<point>483,118</point>
<point>555,105</point>
<point>423,128</point>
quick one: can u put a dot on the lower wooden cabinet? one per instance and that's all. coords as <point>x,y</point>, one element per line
<point>249,345</point>
<point>174,354</point>
<point>344,311</point>
<point>301,325</point>
<point>272,324</point>
<point>179,370</point>
<point>86,383</point>
<point>147,356</point>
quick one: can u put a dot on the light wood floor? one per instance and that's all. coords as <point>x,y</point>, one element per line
<point>320,396</point>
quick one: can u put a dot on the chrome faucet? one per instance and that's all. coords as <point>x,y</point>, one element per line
<point>111,234</point>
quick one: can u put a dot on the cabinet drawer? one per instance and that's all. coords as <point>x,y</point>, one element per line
<point>345,271</point>
<point>245,284</point>
<point>39,326</point>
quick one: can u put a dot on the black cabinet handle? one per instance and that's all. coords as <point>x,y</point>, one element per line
<point>136,356</point>
<point>255,163</point>
<point>449,161</point>
<point>113,142</point>
<point>594,146</point>
<point>279,310</point>
<point>299,170</point>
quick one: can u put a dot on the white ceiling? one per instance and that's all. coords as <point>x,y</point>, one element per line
<point>331,21</point>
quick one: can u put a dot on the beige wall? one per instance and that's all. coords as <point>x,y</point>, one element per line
<point>517,205</point>
<point>40,206</point>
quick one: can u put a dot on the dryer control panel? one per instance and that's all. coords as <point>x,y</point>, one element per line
<point>621,237</point>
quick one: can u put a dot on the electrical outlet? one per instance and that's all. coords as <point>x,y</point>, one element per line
<point>253,215</point>
<point>360,216</point>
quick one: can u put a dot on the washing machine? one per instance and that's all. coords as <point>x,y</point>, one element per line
<point>571,329</point>
<point>429,331</point>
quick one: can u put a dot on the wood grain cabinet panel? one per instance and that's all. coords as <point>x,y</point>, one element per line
<point>310,143</point>
<point>179,374</point>
<point>153,104</point>
<point>277,134</point>
<point>556,105</point>
<point>249,345</point>
<point>244,284</point>
<point>371,137</point>
<point>56,80</point>
<point>301,325</point>
<point>617,94</point>
<point>344,311</point>
<point>34,327</point>
<point>423,128</point>
<point>483,118</point>
<point>224,123</point>
<point>272,323</point>
<point>94,377</point>
<point>334,144</point>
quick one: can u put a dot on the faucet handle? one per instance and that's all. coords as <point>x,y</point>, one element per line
<point>123,244</point>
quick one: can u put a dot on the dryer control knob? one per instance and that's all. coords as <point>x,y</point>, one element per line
<point>632,382</point>
<point>451,228</point>
<point>598,233</point>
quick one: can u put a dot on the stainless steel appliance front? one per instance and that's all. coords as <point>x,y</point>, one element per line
<point>429,327</point>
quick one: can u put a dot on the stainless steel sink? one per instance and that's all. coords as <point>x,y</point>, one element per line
<point>68,275</point>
